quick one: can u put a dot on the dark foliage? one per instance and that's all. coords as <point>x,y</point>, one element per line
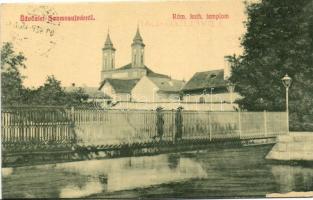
<point>278,41</point>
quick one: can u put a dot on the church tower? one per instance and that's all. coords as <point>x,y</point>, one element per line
<point>108,53</point>
<point>138,50</point>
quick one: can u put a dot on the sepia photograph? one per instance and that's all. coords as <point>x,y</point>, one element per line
<point>157,99</point>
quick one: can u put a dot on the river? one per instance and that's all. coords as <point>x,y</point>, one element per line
<point>227,172</point>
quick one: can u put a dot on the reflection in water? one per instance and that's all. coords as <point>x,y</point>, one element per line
<point>142,177</point>
<point>72,191</point>
<point>207,173</point>
<point>136,172</point>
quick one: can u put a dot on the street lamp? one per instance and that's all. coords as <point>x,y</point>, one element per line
<point>287,82</point>
<point>202,99</point>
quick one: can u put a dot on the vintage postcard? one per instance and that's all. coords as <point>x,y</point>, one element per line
<point>157,99</point>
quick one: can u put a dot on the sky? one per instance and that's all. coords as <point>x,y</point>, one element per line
<point>72,50</point>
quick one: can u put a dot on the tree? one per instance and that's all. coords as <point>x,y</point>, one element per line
<point>12,90</point>
<point>51,93</point>
<point>77,97</point>
<point>278,41</point>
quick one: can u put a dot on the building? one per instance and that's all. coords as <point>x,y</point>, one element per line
<point>134,70</point>
<point>157,89</point>
<point>137,83</point>
<point>121,83</point>
<point>118,89</point>
<point>210,87</point>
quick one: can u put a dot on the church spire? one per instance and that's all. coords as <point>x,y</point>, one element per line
<point>138,50</point>
<point>138,39</point>
<point>108,56</point>
<point>108,43</point>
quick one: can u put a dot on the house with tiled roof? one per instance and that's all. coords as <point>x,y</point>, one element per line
<point>210,86</point>
<point>118,89</point>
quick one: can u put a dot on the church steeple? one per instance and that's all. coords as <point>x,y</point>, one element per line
<point>108,53</point>
<point>138,50</point>
<point>138,39</point>
<point>108,43</point>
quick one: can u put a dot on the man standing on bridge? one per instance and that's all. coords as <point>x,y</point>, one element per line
<point>160,122</point>
<point>179,123</point>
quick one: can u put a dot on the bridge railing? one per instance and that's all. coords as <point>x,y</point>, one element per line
<point>35,124</point>
<point>101,127</point>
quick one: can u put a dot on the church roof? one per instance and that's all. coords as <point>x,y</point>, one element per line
<point>120,85</point>
<point>108,43</point>
<point>137,36</point>
<point>167,84</point>
<point>207,79</point>
<point>150,73</point>
<point>138,39</point>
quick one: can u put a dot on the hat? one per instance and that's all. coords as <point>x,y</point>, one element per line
<point>159,108</point>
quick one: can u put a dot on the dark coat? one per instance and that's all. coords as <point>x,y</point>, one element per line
<point>178,124</point>
<point>160,123</point>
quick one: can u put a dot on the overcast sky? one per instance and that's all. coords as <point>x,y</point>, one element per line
<point>72,50</point>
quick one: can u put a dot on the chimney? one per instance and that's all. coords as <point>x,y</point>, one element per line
<point>227,69</point>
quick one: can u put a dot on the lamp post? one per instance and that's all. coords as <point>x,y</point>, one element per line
<point>287,82</point>
<point>211,98</point>
<point>204,95</point>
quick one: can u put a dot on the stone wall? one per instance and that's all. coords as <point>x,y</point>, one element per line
<point>297,146</point>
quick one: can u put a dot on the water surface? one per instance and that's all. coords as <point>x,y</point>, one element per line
<point>232,172</point>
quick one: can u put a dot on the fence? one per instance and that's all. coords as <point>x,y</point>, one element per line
<point>100,127</point>
<point>44,124</point>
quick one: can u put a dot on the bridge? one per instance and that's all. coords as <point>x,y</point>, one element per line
<point>38,130</point>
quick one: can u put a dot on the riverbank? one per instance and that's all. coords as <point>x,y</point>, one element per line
<point>297,147</point>
<point>291,195</point>
<point>69,153</point>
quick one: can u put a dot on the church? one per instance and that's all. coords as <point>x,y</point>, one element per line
<point>119,83</point>
<point>137,83</point>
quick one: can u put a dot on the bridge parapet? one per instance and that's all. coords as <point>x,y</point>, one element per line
<point>111,127</point>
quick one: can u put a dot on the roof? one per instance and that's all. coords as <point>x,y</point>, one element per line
<point>92,92</point>
<point>138,39</point>
<point>150,73</point>
<point>167,84</point>
<point>120,85</point>
<point>207,79</point>
<point>108,43</point>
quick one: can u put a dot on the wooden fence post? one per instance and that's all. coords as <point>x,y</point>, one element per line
<point>72,113</point>
<point>239,124</point>
<point>72,124</point>
<point>265,123</point>
<point>174,125</point>
<point>210,125</point>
